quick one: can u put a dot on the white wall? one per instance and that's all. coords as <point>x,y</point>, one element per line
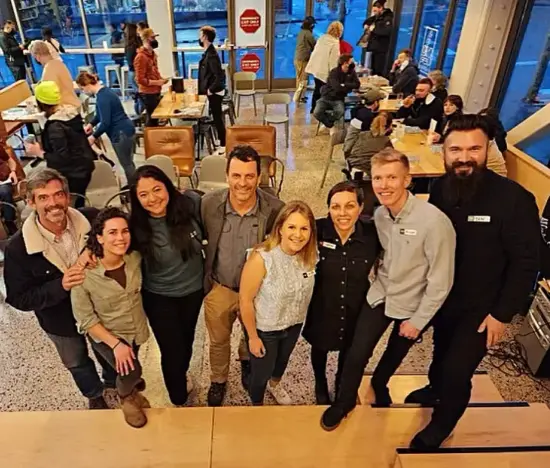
<point>159,17</point>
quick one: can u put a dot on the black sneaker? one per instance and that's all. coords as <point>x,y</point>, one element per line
<point>97,403</point>
<point>332,418</point>
<point>321,393</point>
<point>425,396</point>
<point>429,439</point>
<point>216,393</point>
<point>245,373</point>
<point>382,397</point>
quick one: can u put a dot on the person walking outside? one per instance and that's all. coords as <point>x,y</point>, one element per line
<point>305,44</point>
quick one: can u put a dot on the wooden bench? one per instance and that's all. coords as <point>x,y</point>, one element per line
<point>483,389</point>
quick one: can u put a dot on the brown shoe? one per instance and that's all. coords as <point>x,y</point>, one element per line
<point>132,410</point>
<point>142,399</point>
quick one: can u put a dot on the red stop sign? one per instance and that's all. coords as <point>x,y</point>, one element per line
<point>250,21</point>
<point>250,63</point>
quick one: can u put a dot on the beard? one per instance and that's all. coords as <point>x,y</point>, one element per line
<point>460,188</point>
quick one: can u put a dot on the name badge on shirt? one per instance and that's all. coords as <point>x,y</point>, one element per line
<point>309,274</point>
<point>328,245</point>
<point>479,219</point>
<point>407,232</point>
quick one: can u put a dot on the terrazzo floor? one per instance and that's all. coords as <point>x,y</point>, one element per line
<point>33,378</point>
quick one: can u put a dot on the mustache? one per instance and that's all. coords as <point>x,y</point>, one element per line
<point>461,164</point>
<point>55,207</point>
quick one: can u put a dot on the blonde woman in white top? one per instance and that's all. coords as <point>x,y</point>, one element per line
<point>275,291</point>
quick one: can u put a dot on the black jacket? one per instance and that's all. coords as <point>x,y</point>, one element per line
<point>545,246</point>
<point>131,51</point>
<point>339,84</point>
<point>405,81</point>
<point>440,94</point>
<point>341,283</point>
<point>34,284</point>
<point>211,73</point>
<point>13,53</point>
<point>421,112</point>
<point>497,247</point>
<point>66,145</point>
<point>379,40</point>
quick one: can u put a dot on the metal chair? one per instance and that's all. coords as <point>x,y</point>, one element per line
<point>165,164</point>
<point>275,99</point>
<point>121,200</point>
<point>337,138</point>
<point>212,173</point>
<point>250,79</point>
<point>103,184</point>
<point>113,69</point>
<point>125,73</point>
<point>190,69</point>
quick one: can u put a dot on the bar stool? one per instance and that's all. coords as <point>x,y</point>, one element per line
<point>125,71</point>
<point>190,69</point>
<point>113,68</point>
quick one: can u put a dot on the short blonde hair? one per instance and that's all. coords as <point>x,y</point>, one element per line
<point>379,124</point>
<point>335,29</point>
<point>39,48</point>
<point>390,155</point>
<point>308,255</point>
<point>438,78</point>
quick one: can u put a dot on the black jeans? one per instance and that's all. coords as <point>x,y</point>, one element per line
<point>319,364</point>
<point>173,321</point>
<point>79,186</point>
<point>316,93</point>
<point>19,72</point>
<point>278,348</point>
<point>6,195</point>
<point>371,325</point>
<point>73,352</point>
<point>150,102</point>
<point>378,63</point>
<point>215,103</point>
<point>125,384</point>
<point>458,351</point>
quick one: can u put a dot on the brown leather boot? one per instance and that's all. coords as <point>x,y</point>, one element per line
<point>132,410</point>
<point>142,399</point>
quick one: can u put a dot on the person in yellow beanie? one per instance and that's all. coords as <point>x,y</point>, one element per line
<point>65,145</point>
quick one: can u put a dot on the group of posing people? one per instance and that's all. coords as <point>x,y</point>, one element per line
<point>463,264</point>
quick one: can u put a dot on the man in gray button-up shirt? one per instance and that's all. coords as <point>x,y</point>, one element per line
<point>414,278</point>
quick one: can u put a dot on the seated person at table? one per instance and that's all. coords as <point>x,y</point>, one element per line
<point>55,70</point>
<point>452,108</point>
<point>440,81</point>
<point>8,179</point>
<point>500,133</point>
<point>341,80</point>
<point>359,149</point>
<point>495,160</point>
<point>420,109</point>
<point>404,74</point>
<point>363,115</point>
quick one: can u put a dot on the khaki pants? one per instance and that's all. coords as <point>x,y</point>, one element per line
<point>300,66</point>
<point>221,307</point>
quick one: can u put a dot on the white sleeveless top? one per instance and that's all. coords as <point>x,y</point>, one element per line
<point>284,295</point>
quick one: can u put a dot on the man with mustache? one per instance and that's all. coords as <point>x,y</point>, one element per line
<point>496,263</point>
<point>42,268</point>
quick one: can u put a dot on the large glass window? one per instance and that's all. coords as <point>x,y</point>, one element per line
<point>190,15</point>
<point>529,86</point>
<point>406,25</point>
<point>430,34</point>
<point>456,29</point>
<point>289,15</point>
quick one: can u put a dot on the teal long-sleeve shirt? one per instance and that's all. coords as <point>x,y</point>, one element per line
<point>110,117</point>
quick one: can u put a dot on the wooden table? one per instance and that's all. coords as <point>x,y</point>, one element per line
<point>176,110</point>
<point>390,105</point>
<point>424,162</point>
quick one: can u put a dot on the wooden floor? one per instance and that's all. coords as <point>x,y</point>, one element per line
<point>249,437</point>
<point>483,390</point>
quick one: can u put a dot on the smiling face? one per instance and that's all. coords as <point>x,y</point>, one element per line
<point>295,233</point>
<point>153,196</point>
<point>51,203</point>
<point>115,238</point>
<point>390,182</point>
<point>344,210</point>
<point>243,179</point>
<point>465,152</point>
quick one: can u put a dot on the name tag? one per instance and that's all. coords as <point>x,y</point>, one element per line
<point>407,232</point>
<point>309,274</point>
<point>479,219</point>
<point>328,245</point>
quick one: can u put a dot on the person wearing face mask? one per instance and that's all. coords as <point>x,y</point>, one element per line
<point>414,278</point>
<point>305,42</point>
<point>13,51</point>
<point>419,110</point>
<point>341,80</point>
<point>498,232</point>
<point>404,74</point>
<point>110,118</point>
<point>55,70</point>
<point>148,76</point>
<point>275,291</point>
<point>212,80</point>
<point>380,27</point>
<point>348,247</point>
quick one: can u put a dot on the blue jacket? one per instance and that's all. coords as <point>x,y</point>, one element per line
<point>110,116</point>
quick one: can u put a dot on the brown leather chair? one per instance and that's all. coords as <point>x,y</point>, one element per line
<point>178,143</point>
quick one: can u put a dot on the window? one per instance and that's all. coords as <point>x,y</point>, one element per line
<point>288,22</point>
<point>456,29</point>
<point>252,55</point>
<point>406,25</point>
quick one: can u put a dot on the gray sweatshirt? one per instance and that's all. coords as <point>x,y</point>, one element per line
<point>417,269</point>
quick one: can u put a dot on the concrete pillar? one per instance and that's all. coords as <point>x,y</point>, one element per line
<point>480,50</point>
<point>160,19</point>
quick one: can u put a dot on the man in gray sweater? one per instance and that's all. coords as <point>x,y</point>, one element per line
<point>413,279</point>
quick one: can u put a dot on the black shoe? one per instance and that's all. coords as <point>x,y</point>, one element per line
<point>321,393</point>
<point>429,439</point>
<point>425,396</point>
<point>382,397</point>
<point>216,393</point>
<point>332,417</point>
<point>97,403</point>
<point>245,373</point>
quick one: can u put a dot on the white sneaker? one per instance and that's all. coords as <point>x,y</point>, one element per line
<point>221,151</point>
<point>280,394</point>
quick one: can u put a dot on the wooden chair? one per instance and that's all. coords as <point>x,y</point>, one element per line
<point>178,143</point>
<point>248,78</point>
<point>274,99</point>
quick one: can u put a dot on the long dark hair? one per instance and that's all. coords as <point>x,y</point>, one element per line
<point>98,225</point>
<point>179,215</point>
<point>131,36</point>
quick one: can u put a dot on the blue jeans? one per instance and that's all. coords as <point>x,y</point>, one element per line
<point>124,148</point>
<point>73,352</point>
<point>138,105</point>
<point>6,195</point>
<point>278,348</point>
<point>322,115</point>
